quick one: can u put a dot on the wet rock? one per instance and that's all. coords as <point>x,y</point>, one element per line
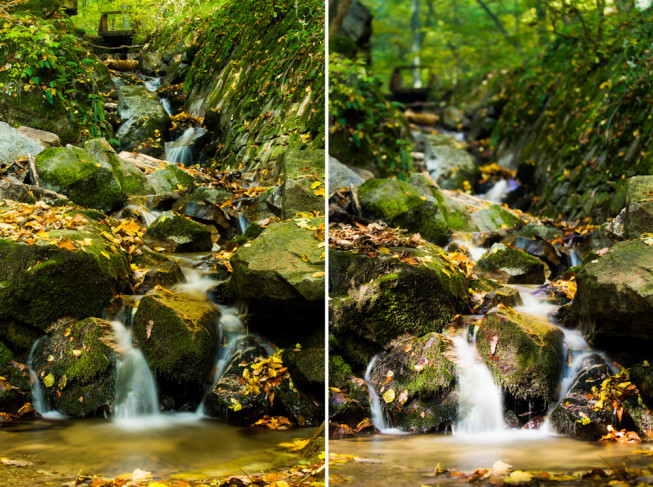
<point>507,296</point>
<point>306,364</point>
<point>476,215</point>
<point>178,334</point>
<point>14,144</point>
<point>541,249</point>
<point>348,395</point>
<point>150,64</point>
<point>204,204</point>
<point>575,415</point>
<point>239,397</point>
<point>48,139</point>
<point>453,118</point>
<point>357,24</point>
<point>616,229</point>
<point>44,282</point>
<point>176,233</point>
<point>510,266</point>
<point>417,384</point>
<point>299,171</point>
<point>170,178</point>
<point>142,115</point>
<point>75,365</point>
<point>452,167</point>
<point>441,138</point>
<point>524,355</point>
<point>377,300</point>
<point>131,179</point>
<point>341,176</point>
<point>537,231</point>
<point>16,192</point>
<point>639,206</point>
<point>158,271</point>
<point>87,181</point>
<point>402,205</point>
<point>614,299</point>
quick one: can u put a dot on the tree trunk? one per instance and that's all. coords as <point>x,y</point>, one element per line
<point>416,44</point>
<point>341,13</point>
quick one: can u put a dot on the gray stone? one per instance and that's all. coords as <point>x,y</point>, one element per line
<point>15,144</point>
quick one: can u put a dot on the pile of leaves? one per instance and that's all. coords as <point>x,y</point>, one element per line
<point>184,120</point>
<point>614,391</point>
<point>494,172</point>
<point>263,375</point>
<point>370,239</point>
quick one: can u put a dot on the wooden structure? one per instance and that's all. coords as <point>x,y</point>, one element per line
<point>405,95</point>
<point>115,37</point>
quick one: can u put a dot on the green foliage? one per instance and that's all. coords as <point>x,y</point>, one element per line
<point>362,122</point>
<point>46,59</point>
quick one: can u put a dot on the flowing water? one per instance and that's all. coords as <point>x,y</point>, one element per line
<point>181,150</point>
<point>378,417</point>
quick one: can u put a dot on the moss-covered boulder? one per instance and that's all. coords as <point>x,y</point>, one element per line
<point>76,365</point>
<point>451,167</point>
<point>507,296</point>
<point>402,205</point>
<point>153,269</point>
<point>301,191</point>
<point>14,144</point>
<point>306,363</point>
<point>509,265</point>
<point>15,384</point>
<point>349,400</point>
<point>417,385</point>
<point>614,300</point>
<point>203,204</point>
<point>87,181</point>
<point>43,282</point>
<point>639,206</point>
<point>379,299</point>
<point>170,178</point>
<point>131,179</point>
<point>41,8</point>
<point>178,334</point>
<point>144,121</point>
<point>254,385</point>
<point>525,357</point>
<point>176,233</point>
<point>284,263</point>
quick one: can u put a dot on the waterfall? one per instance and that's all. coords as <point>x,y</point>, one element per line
<point>40,403</point>
<point>378,417</point>
<point>480,400</point>
<point>153,84</point>
<point>181,149</point>
<point>165,103</point>
<point>499,191</point>
<point>136,394</point>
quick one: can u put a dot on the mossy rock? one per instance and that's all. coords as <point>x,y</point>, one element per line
<point>495,217</point>
<point>401,205</point>
<point>41,283</point>
<point>639,206</point>
<point>423,384</point>
<point>524,355</point>
<point>15,383</point>
<point>298,181</point>
<point>159,271</point>
<point>170,178</point>
<point>306,363</point>
<point>451,167</point>
<point>76,365</point>
<point>41,8</point>
<point>506,296</point>
<point>614,299</point>
<point>86,180</point>
<point>510,266</point>
<point>176,233</point>
<point>131,179</point>
<point>142,117</point>
<point>383,298</point>
<point>178,334</point>
<point>284,263</point>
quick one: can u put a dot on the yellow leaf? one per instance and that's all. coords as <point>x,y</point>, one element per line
<point>48,380</point>
<point>319,192</point>
<point>316,184</point>
<point>384,250</point>
<point>389,396</point>
<point>106,255</point>
<point>318,274</point>
<point>518,477</point>
<point>98,165</point>
<point>305,258</point>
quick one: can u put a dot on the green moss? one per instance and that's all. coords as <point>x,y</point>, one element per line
<point>5,355</point>
<point>339,371</point>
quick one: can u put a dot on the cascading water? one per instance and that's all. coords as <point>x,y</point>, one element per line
<point>378,417</point>
<point>136,394</point>
<point>499,191</point>
<point>181,149</point>
<point>480,400</point>
<point>40,403</point>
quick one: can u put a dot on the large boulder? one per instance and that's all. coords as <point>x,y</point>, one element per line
<point>402,205</point>
<point>75,365</point>
<point>14,144</point>
<point>376,300</point>
<point>638,216</point>
<point>303,182</point>
<point>15,384</point>
<point>87,181</point>
<point>614,299</point>
<point>179,336</point>
<point>417,384</point>
<point>131,179</point>
<point>151,64</point>
<point>73,271</point>
<point>170,178</point>
<point>525,357</point>
<point>451,168</point>
<point>142,117</point>
<point>510,265</point>
<point>176,233</point>
<point>284,263</point>
<point>341,176</point>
